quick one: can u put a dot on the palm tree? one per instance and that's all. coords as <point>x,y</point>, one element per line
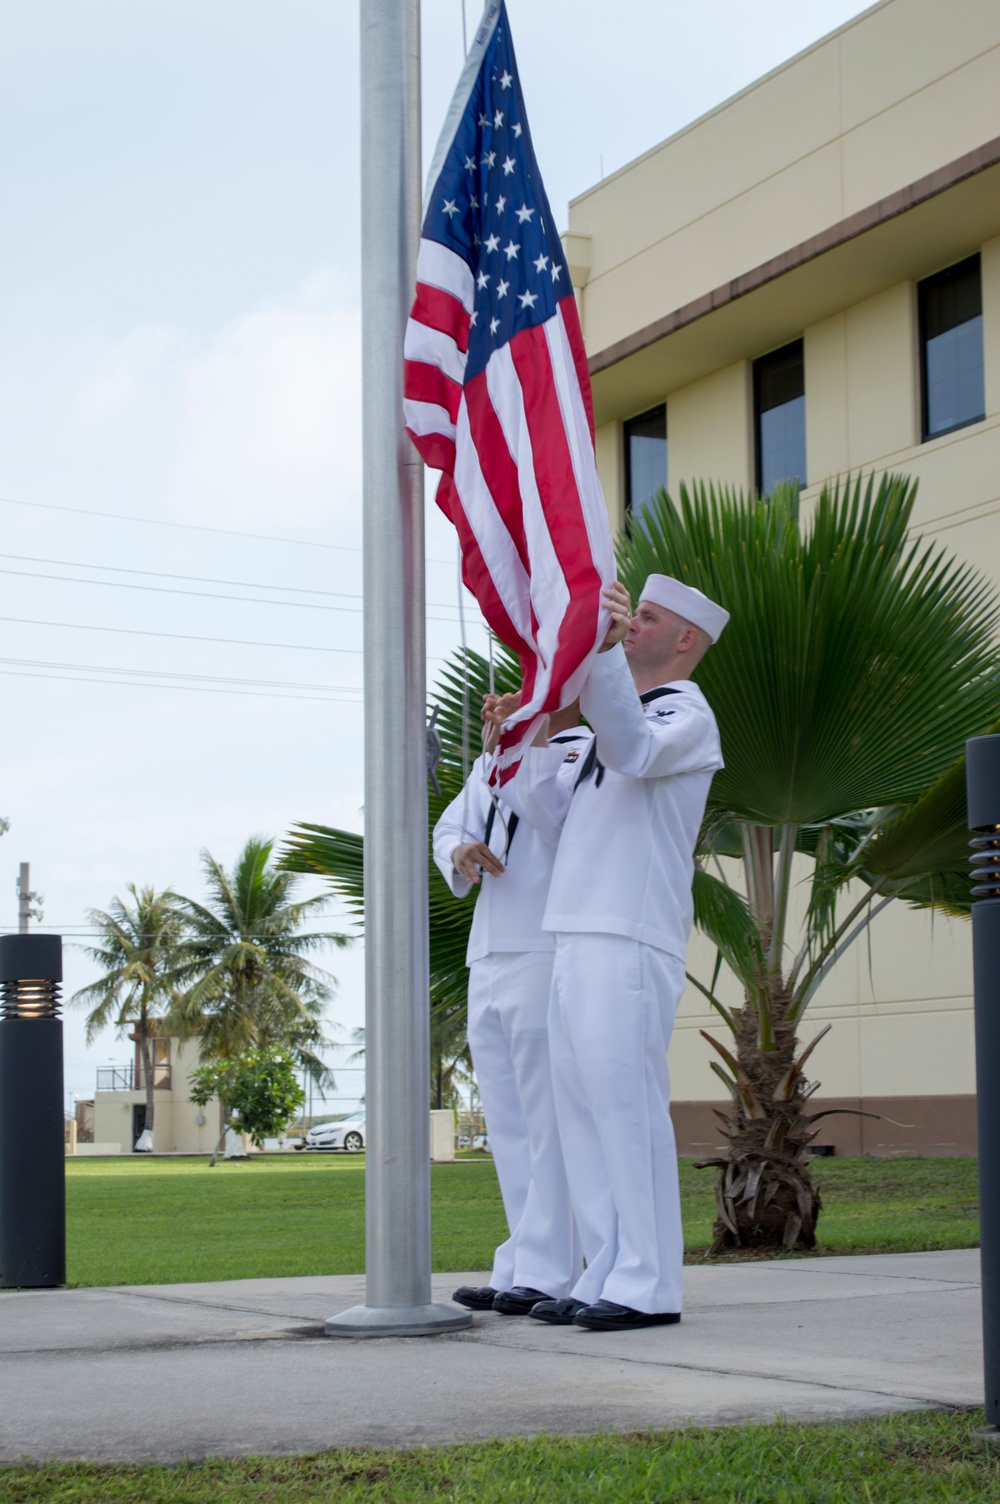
<point>856,664</point>
<point>138,952</point>
<point>247,981</point>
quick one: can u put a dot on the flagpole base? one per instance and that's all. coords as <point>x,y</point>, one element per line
<point>398,1321</point>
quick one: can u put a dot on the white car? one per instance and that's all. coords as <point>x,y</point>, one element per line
<point>348,1134</point>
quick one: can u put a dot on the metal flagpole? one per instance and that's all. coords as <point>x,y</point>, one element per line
<point>397,1012</point>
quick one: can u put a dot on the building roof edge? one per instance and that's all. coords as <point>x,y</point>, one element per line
<point>894,204</point>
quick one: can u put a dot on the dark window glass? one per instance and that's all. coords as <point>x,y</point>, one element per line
<point>645,457</point>
<point>779,389</point>
<point>951,348</point>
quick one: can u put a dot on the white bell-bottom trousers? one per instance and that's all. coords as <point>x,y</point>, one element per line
<point>508,1035</point>
<point>611,1016</point>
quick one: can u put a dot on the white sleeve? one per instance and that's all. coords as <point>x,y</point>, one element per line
<point>683,739</point>
<point>541,789</point>
<point>463,820</point>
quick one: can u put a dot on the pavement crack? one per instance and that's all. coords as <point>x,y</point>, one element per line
<point>208,1305</point>
<point>713,1368</point>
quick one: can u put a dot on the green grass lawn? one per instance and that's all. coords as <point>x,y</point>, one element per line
<point>162,1221</point>
<point>904,1459</point>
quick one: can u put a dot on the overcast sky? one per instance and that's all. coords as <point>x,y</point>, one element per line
<point>179,196</point>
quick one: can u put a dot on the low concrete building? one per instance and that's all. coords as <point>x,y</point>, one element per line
<point>806,282</point>
<point>179,1127</point>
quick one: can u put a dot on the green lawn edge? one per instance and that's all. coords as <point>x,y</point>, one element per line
<point>915,1458</point>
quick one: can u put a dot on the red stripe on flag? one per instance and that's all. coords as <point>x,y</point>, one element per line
<point>571,323</point>
<point>436,450</point>
<point>424,383</point>
<point>561,506</point>
<point>496,463</point>
<point>476,575</point>
<point>443,312</point>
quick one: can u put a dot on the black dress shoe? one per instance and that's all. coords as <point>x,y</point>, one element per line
<point>605,1316</point>
<point>476,1297</point>
<point>556,1312</point>
<point>519,1301</point>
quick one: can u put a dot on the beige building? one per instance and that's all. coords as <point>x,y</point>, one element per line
<point>805,282</point>
<point>179,1127</point>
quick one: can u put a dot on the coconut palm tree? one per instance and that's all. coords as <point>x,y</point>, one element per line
<point>245,979</point>
<point>138,952</point>
<point>856,664</point>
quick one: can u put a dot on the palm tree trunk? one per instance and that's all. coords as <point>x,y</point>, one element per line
<point>147,1069</point>
<point>765,1197</point>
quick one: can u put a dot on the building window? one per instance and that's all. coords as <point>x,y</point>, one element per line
<point>779,395</point>
<point>645,458</point>
<point>951,348</point>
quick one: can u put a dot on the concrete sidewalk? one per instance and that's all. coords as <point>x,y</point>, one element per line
<point>187,1371</point>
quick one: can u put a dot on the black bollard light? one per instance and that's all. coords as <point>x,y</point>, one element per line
<point>32,1128</point>
<point>982,761</point>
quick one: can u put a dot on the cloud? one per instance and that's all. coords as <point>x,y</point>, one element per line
<point>256,424</point>
<point>269,420</point>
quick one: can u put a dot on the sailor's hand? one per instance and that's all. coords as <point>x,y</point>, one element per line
<point>496,710</point>
<point>472,856</point>
<point>615,598</point>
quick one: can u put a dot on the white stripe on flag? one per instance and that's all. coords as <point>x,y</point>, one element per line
<point>495,543</point>
<point>433,348</point>
<point>439,267</point>
<point>548,585</point>
<point>423,418</point>
<point>577,426</point>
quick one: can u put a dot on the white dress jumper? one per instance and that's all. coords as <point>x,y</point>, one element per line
<point>510,976</point>
<point>620,911</point>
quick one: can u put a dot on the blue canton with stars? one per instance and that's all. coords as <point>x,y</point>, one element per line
<point>490,208</point>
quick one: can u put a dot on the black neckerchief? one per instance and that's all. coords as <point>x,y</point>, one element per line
<point>512,821</point>
<point>592,761</point>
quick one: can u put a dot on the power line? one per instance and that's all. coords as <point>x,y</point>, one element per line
<point>199,595</point>
<point>240,642</point>
<point>161,574</point>
<point>258,694</point>
<point>155,673</point>
<point>191,527</point>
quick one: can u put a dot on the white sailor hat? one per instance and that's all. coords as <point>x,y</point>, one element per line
<point>685,600</point>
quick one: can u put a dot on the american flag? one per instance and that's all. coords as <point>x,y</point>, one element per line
<point>497,391</point>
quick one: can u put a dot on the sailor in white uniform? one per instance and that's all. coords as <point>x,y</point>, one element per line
<point>620,909</point>
<point>510,973</point>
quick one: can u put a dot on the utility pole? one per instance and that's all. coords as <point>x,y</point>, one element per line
<point>28,903</point>
<point>397,1002</point>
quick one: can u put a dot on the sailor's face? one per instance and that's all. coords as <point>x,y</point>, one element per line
<point>653,634</point>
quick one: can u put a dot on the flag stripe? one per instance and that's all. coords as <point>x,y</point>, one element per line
<point>432,387</point>
<point>431,347</point>
<point>438,267</point>
<point>434,309</point>
<point>476,573</point>
<point>560,502</point>
<point>571,323</point>
<point>496,462</point>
